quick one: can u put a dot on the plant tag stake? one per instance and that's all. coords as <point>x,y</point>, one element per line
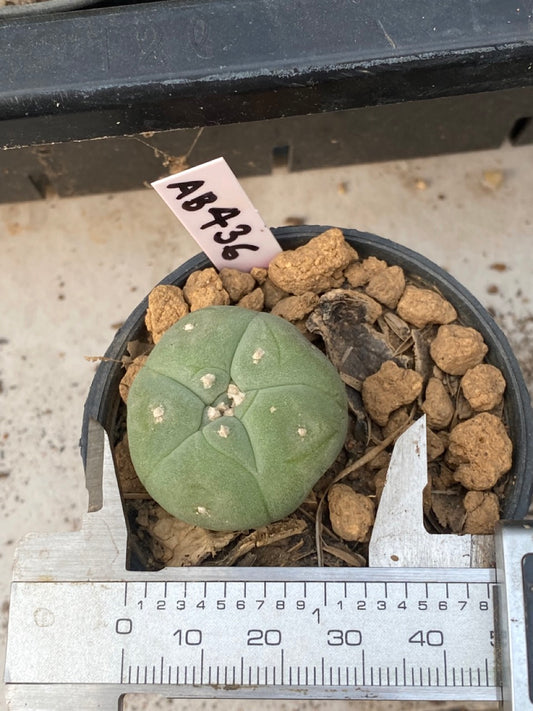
<point>211,204</point>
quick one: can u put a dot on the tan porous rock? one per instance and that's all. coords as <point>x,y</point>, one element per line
<point>236,283</point>
<point>388,389</point>
<point>386,286</point>
<point>480,451</point>
<point>351,514</point>
<point>129,376</point>
<point>360,273</point>
<point>435,445</point>
<point>255,300</point>
<point>272,294</point>
<point>482,512</point>
<point>259,274</point>
<point>204,288</point>
<point>457,348</point>
<point>166,305</point>
<point>315,266</point>
<point>398,419</point>
<point>483,386</point>
<point>296,308</point>
<point>437,405</point>
<point>423,306</point>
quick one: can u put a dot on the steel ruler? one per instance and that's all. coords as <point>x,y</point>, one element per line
<point>84,631</point>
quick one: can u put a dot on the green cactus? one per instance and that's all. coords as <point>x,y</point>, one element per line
<point>233,418</point>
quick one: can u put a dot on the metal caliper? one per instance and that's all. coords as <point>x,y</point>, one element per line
<point>441,617</point>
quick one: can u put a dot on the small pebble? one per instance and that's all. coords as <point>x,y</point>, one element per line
<point>483,386</point>
<point>388,389</point>
<point>437,405</point>
<point>457,348</point>
<point>236,283</point>
<point>387,286</point>
<point>423,306</point>
<point>351,514</point>
<point>481,451</point>
<point>166,305</point>
<point>204,288</point>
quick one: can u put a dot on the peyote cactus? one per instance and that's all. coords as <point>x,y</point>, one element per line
<point>233,418</point>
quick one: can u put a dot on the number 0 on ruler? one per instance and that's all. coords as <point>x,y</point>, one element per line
<point>211,204</point>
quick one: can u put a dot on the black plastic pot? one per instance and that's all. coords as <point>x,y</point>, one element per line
<point>103,400</point>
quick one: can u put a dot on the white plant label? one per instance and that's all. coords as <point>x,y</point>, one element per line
<point>211,204</point>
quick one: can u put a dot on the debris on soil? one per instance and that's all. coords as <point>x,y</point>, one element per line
<point>130,484</point>
<point>345,321</point>
<point>492,179</point>
<point>448,507</point>
<point>483,386</point>
<point>481,451</point>
<point>402,351</point>
<point>458,348</point>
<point>267,535</point>
<point>175,543</point>
<point>294,221</point>
<point>166,305</point>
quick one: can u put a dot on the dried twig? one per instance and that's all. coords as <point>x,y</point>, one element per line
<point>101,359</point>
<point>273,533</point>
<point>353,559</point>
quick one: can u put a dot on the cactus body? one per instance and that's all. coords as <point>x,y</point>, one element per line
<point>233,418</point>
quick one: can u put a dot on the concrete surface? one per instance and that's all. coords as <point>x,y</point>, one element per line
<point>73,269</point>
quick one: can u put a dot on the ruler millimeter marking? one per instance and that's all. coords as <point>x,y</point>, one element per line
<point>403,638</point>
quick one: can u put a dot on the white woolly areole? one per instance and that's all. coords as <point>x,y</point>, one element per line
<point>158,413</point>
<point>302,431</point>
<point>188,327</point>
<point>213,414</point>
<point>223,431</point>
<point>235,394</point>
<point>258,354</point>
<point>207,380</point>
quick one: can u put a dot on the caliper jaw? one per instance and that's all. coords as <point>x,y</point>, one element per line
<point>514,573</point>
<point>98,550</point>
<point>399,538</point>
